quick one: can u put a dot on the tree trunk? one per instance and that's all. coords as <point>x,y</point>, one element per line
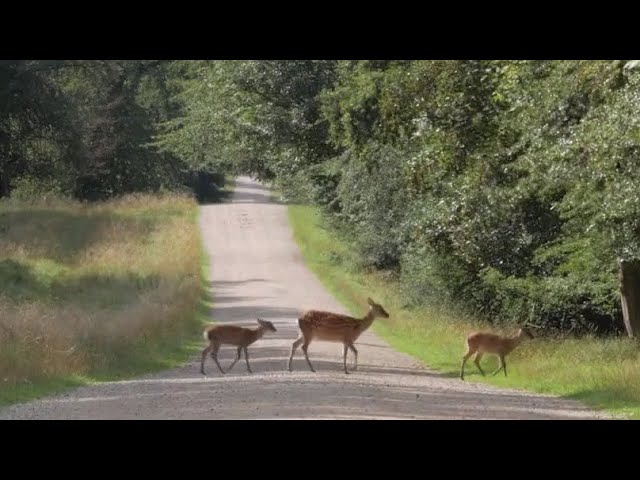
<point>630,293</point>
<point>4,184</point>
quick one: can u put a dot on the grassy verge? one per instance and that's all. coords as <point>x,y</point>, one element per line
<point>97,292</point>
<point>603,373</point>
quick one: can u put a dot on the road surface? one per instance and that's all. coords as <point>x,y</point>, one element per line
<point>257,271</point>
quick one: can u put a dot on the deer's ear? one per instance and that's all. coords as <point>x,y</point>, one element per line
<point>370,302</point>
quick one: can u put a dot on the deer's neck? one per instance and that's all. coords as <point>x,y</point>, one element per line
<point>514,341</point>
<point>257,334</point>
<point>367,320</point>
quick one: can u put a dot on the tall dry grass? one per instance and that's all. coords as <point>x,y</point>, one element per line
<point>89,289</point>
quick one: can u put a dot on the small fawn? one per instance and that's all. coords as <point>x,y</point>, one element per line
<point>242,337</point>
<point>334,327</point>
<point>479,343</point>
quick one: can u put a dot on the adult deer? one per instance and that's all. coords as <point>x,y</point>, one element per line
<point>241,337</point>
<point>479,343</point>
<point>334,327</point>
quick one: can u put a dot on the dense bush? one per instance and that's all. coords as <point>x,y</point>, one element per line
<point>373,200</point>
<point>505,187</point>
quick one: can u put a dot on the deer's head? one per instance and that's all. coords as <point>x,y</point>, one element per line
<point>267,325</point>
<point>378,310</point>
<point>524,331</point>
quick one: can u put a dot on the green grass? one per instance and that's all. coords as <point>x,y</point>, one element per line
<point>604,373</point>
<point>97,292</point>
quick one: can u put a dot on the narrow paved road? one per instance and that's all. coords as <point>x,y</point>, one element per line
<point>257,271</point>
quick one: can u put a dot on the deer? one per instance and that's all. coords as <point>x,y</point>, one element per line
<point>479,343</point>
<point>334,327</point>
<point>241,337</point>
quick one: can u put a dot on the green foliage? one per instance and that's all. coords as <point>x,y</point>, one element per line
<point>259,117</point>
<point>506,187</point>
<point>372,196</point>
<point>90,127</point>
<point>28,189</point>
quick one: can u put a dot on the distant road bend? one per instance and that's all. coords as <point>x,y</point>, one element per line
<point>257,271</point>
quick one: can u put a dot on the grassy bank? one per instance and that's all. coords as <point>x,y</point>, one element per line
<point>97,291</point>
<point>603,373</point>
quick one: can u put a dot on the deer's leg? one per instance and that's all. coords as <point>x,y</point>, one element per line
<point>464,360</point>
<point>305,347</point>
<point>214,355</point>
<point>235,361</point>
<point>246,357</point>
<point>476,360</point>
<point>501,358</point>
<point>294,347</point>
<point>504,366</point>
<point>205,352</point>
<point>355,352</point>
<point>345,349</point>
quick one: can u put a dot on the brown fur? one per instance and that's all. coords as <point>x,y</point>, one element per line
<point>241,337</point>
<point>334,327</point>
<point>479,343</point>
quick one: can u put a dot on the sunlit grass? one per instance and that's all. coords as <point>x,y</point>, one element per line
<point>96,291</point>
